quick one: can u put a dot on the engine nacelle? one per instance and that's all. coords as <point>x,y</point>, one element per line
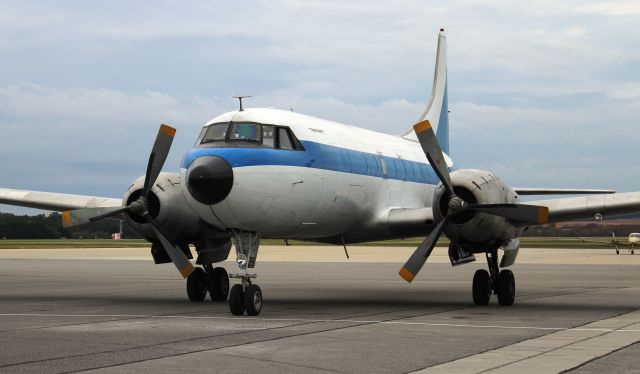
<point>475,231</point>
<point>167,206</point>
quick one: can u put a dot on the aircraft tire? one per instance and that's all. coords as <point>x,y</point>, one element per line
<point>218,284</point>
<point>236,300</point>
<point>506,288</point>
<point>253,299</point>
<point>481,287</point>
<point>197,285</point>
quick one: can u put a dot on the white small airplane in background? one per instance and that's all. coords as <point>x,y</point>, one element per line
<point>632,241</point>
<point>267,173</point>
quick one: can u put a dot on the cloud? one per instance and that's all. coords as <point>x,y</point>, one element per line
<point>543,92</point>
<point>616,8</point>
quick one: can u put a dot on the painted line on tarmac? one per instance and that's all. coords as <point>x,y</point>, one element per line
<point>556,352</point>
<point>346,320</point>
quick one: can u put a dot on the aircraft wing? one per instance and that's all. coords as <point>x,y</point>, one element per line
<point>559,191</point>
<point>587,207</point>
<point>54,201</point>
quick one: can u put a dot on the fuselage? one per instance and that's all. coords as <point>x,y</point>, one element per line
<point>634,238</point>
<point>340,181</point>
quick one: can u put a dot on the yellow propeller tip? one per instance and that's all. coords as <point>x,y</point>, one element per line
<point>406,274</point>
<point>168,130</point>
<point>185,271</point>
<point>422,126</point>
<point>543,215</point>
<point>66,218</point>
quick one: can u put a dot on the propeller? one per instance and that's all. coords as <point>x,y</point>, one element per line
<point>140,206</point>
<point>517,212</point>
<point>615,241</point>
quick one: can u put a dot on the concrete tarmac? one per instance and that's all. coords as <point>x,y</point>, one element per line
<point>114,311</point>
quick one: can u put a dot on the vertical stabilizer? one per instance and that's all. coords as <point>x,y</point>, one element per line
<point>437,111</point>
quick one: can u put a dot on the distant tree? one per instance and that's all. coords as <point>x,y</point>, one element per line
<point>50,227</point>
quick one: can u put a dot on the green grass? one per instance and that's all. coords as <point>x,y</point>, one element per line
<point>73,243</point>
<point>526,242</point>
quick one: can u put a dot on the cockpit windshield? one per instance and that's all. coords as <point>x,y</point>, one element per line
<point>248,135</point>
<point>215,132</point>
<point>245,131</point>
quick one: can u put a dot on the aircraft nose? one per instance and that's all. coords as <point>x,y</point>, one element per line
<point>209,179</point>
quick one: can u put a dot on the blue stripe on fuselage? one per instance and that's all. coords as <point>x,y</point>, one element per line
<point>322,156</point>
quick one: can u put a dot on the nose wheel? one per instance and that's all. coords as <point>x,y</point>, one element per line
<point>502,283</point>
<point>245,298</point>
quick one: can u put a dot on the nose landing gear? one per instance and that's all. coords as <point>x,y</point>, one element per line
<point>245,296</point>
<point>502,283</point>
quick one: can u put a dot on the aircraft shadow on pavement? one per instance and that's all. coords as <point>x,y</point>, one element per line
<point>336,302</point>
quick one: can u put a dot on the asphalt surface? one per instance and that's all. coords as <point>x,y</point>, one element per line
<point>125,315</point>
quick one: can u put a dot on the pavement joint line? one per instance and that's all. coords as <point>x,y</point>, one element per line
<point>468,364</point>
<point>344,320</point>
<point>304,322</point>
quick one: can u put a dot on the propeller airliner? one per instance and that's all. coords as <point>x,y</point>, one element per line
<point>265,173</point>
<point>632,241</point>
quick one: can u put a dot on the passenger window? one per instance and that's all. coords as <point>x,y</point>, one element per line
<point>384,166</point>
<point>245,131</point>
<point>402,172</point>
<point>372,166</point>
<point>268,136</point>
<point>416,171</point>
<point>284,140</point>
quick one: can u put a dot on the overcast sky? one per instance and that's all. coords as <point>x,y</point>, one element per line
<point>544,93</point>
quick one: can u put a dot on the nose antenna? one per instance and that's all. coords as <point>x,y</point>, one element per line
<point>240,97</point>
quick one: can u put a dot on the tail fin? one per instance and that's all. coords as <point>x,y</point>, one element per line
<point>437,111</point>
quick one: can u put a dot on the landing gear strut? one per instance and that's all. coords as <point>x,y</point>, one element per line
<point>502,283</point>
<point>208,278</point>
<point>245,296</point>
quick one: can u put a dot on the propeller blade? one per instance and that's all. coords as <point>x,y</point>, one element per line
<point>81,216</point>
<point>420,255</point>
<point>181,261</point>
<point>615,241</point>
<point>432,150</point>
<point>158,156</point>
<point>517,212</point>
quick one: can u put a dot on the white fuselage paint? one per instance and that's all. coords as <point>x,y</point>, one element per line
<point>284,201</point>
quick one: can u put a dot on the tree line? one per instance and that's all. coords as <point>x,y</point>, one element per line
<point>50,227</point>
<point>588,230</point>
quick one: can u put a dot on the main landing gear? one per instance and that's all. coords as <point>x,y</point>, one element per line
<point>246,296</point>
<point>207,278</point>
<point>502,283</point>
